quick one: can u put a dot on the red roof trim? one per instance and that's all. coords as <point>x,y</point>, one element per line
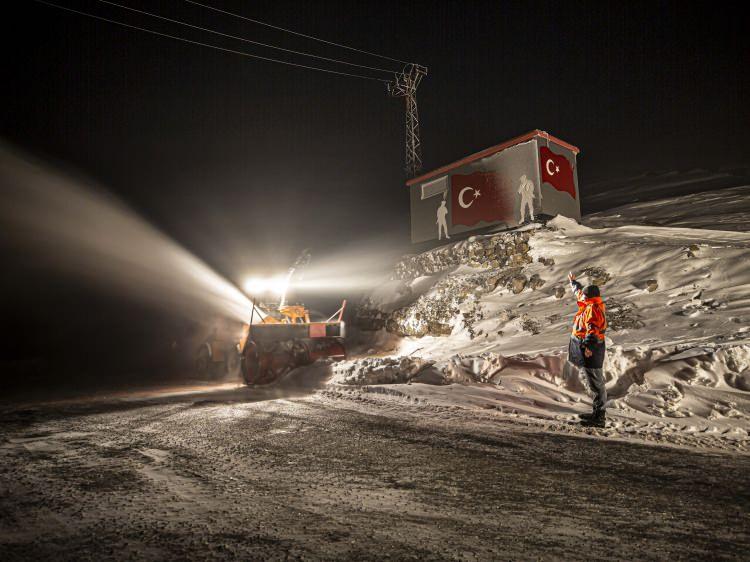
<point>492,150</point>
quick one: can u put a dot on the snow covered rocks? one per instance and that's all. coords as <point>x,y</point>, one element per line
<point>440,280</point>
<point>493,251</point>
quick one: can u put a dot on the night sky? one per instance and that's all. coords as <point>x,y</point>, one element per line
<point>247,162</point>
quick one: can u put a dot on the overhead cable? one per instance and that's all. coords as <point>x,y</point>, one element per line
<point>216,47</point>
<point>293,32</point>
<point>243,38</point>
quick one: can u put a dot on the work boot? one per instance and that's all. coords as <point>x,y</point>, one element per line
<point>597,419</point>
<point>586,417</point>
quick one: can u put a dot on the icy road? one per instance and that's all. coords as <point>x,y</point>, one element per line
<point>244,474</point>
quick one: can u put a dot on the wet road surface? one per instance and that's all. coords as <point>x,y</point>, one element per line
<point>239,473</point>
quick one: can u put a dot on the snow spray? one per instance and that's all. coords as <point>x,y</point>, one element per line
<point>74,227</point>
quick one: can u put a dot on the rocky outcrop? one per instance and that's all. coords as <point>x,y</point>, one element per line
<point>507,249</point>
<point>500,260</point>
<point>435,312</point>
<point>369,317</point>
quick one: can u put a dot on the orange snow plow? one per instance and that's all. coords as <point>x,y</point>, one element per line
<point>280,341</point>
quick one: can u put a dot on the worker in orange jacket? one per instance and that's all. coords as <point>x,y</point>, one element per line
<point>587,347</point>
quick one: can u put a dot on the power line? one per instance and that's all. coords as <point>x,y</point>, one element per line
<point>244,39</point>
<point>184,40</point>
<point>293,32</point>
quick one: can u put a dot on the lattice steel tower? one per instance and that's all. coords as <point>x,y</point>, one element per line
<point>405,86</point>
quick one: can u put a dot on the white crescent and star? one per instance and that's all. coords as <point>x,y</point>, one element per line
<point>461,202</point>
<point>550,172</point>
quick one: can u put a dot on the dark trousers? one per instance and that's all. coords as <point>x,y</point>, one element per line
<point>595,379</point>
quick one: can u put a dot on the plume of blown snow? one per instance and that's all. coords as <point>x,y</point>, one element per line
<point>77,228</point>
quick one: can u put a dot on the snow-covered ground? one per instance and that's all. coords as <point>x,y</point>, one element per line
<point>649,186</point>
<point>724,209</point>
<point>485,321</point>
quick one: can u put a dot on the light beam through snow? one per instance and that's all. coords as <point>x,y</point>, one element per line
<point>81,230</point>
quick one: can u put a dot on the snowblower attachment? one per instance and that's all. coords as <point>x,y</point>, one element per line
<point>275,346</point>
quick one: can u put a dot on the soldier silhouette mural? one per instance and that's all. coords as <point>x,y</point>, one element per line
<point>442,221</point>
<point>526,191</point>
<point>505,185</point>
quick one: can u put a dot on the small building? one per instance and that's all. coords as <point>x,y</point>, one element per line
<point>506,185</point>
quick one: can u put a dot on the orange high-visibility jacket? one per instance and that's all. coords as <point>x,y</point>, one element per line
<point>590,321</point>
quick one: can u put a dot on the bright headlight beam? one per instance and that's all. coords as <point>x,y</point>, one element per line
<point>79,229</point>
<point>263,285</point>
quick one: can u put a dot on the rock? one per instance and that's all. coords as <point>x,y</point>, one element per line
<point>518,283</point>
<point>546,261</point>
<point>652,285</point>
<point>535,282</point>
<point>505,315</point>
<point>531,325</point>
<point>491,282</point>
<point>622,315</point>
<point>559,292</point>
<point>597,275</point>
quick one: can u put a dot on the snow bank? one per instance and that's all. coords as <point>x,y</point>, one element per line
<point>495,310</point>
<point>701,390</point>
<point>378,370</point>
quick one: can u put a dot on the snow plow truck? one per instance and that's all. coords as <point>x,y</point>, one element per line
<point>275,342</point>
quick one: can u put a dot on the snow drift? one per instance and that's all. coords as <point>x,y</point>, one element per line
<point>493,311</point>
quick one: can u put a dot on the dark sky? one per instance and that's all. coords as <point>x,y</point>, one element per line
<point>247,162</point>
<point>222,151</point>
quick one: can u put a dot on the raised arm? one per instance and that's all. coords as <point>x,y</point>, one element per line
<point>575,286</point>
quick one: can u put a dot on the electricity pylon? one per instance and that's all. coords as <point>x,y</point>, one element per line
<point>404,85</point>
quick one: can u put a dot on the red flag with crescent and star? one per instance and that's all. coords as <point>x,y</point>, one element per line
<point>557,171</point>
<point>479,197</point>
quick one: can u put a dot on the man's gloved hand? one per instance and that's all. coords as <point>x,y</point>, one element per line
<point>587,352</point>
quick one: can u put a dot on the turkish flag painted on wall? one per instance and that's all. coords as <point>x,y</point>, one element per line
<point>479,197</point>
<point>557,171</point>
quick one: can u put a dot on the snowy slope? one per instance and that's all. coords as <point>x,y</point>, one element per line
<point>497,324</point>
<point>603,195</point>
<point>724,209</point>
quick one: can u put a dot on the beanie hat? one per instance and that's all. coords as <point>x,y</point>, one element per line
<point>591,291</point>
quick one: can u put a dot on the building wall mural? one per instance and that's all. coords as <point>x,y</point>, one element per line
<point>509,187</point>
